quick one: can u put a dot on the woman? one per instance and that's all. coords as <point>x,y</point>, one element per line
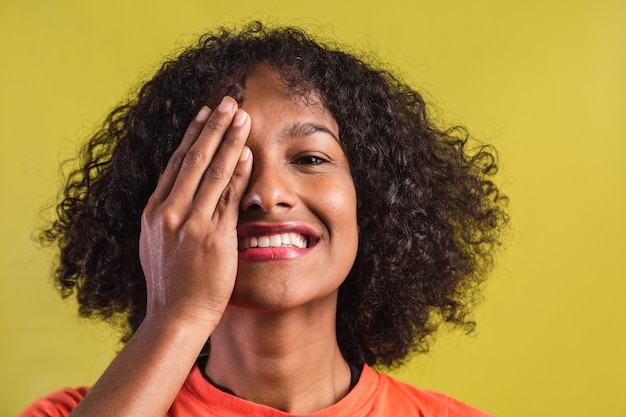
<point>276,216</point>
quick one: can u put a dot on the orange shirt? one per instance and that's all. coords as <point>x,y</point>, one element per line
<point>375,395</point>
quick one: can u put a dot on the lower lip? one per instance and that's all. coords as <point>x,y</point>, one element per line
<point>272,254</point>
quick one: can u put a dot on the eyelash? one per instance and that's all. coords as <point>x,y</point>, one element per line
<point>310,160</point>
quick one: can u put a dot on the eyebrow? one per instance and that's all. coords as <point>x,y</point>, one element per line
<point>308,128</point>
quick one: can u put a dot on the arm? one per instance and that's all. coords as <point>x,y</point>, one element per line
<point>188,251</point>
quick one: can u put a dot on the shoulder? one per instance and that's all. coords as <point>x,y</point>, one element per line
<point>405,399</point>
<point>57,404</point>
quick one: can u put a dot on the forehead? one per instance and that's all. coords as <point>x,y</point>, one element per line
<point>265,94</point>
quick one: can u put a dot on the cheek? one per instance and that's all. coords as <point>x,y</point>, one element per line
<point>339,204</point>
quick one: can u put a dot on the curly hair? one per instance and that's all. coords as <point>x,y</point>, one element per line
<point>429,215</point>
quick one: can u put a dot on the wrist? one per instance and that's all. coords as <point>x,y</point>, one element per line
<point>190,329</point>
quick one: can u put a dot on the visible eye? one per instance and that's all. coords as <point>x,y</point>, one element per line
<point>310,160</point>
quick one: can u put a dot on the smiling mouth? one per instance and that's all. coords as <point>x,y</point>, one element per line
<point>295,240</point>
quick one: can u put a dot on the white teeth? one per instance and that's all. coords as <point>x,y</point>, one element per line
<point>264,241</point>
<point>274,241</point>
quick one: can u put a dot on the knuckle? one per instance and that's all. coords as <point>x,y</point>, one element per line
<point>150,212</point>
<point>194,158</point>
<point>209,241</point>
<point>191,134</point>
<point>175,160</point>
<point>170,217</point>
<point>229,140</point>
<point>216,172</point>
<point>146,216</point>
<point>213,125</point>
<point>231,196</point>
<point>191,231</point>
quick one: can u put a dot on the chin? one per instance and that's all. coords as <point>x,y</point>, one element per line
<point>282,296</point>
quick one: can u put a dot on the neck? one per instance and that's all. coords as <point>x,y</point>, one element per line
<point>286,360</point>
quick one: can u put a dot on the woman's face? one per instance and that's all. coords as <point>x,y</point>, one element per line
<point>297,229</point>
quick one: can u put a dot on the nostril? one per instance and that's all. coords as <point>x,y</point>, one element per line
<point>254,207</point>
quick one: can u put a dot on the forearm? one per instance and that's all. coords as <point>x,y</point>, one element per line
<point>145,377</point>
<point>188,224</point>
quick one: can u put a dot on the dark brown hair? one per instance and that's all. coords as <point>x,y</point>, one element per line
<point>429,214</point>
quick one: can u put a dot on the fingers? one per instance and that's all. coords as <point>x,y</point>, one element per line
<point>225,179</point>
<point>168,178</point>
<point>217,132</point>
<point>226,208</point>
<point>190,220</point>
<point>206,160</point>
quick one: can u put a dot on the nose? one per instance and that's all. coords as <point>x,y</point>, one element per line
<point>269,189</point>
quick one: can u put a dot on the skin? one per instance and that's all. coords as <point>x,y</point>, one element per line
<point>270,313</point>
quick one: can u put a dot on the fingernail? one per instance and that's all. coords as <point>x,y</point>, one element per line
<point>226,105</point>
<point>240,118</point>
<point>245,154</point>
<point>203,114</point>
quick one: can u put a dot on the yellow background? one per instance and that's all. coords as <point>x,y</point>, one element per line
<point>543,80</point>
